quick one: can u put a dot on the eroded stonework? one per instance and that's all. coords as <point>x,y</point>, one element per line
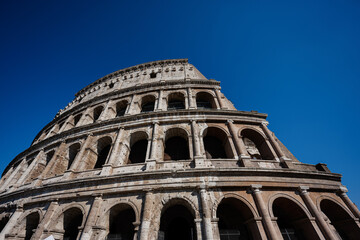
<point>156,151</point>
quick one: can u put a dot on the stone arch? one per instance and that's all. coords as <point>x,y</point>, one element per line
<point>103,149</point>
<point>67,220</point>
<point>291,198</point>
<point>73,151</point>
<point>27,222</point>
<point>176,100</point>
<point>147,103</point>
<point>236,196</point>
<point>322,197</point>
<point>97,111</point>
<point>138,147</point>
<point>177,220</point>
<point>216,143</point>
<point>188,203</point>
<point>121,201</point>
<point>256,144</point>
<point>293,219</point>
<point>176,144</point>
<point>120,107</point>
<point>340,220</point>
<point>236,217</point>
<point>205,100</point>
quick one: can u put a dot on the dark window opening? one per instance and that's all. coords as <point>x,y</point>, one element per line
<point>102,156</point>
<point>138,152</point>
<point>49,156</point>
<point>121,223</point>
<point>175,104</point>
<point>61,124</point>
<point>77,119</point>
<point>3,222</point>
<point>111,85</point>
<point>73,151</point>
<point>256,145</point>
<point>121,108</point>
<point>32,222</point>
<point>148,107</point>
<point>176,148</point>
<point>177,223</point>
<point>292,221</point>
<point>214,147</point>
<point>153,75</point>
<point>344,225</point>
<point>72,221</point>
<point>204,101</point>
<point>97,112</point>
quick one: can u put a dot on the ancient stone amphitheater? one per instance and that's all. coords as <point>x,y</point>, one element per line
<point>156,151</point>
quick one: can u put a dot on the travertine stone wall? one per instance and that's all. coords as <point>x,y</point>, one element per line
<point>52,185</point>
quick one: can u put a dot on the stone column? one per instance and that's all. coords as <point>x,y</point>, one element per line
<point>198,228</point>
<point>91,218</point>
<point>28,171</point>
<point>151,161</point>
<point>261,206</point>
<point>206,214</point>
<point>12,221</point>
<point>286,161</point>
<point>128,108</point>
<point>198,156</point>
<point>191,99</point>
<point>114,155</point>
<point>146,218</point>
<point>105,113</point>
<point>45,222</point>
<point>239,145</point>
<point>68,124</point>
<point>15,174</point>
<point>77,161</point>
<point>314,211</point>
<point>342,193</point>
<point>51,165</point>
<point>159,106</point>
<point>220,100</point>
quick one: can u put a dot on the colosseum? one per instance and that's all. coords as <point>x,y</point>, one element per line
<point>156,151</point>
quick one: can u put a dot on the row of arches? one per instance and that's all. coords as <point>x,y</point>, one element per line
<point>236,219</point>
<point>175,101</point>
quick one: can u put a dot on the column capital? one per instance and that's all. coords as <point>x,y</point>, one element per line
<point>255,188</point>
<point>230,121</point>
<point>303,190</point>
<point>342,190</point>
<point>155,122</point>
<point>265,123</point>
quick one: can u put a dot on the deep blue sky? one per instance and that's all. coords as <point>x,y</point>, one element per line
<point>298,62</point>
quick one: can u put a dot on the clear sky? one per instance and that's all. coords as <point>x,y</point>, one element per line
<point>299,62</point>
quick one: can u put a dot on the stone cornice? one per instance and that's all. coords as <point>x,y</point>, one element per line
<point>101,184</point>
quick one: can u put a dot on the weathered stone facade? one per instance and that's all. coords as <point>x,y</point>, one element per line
<point>156,151</point>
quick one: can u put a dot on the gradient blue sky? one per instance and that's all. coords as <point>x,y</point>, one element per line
<point>299,62</point>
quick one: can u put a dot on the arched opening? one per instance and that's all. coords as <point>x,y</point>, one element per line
<point>121,108</point>
<point>216,144</point>
<point>234,220</point>
<point>73,151</point>
<point>4,219</point>
<point>292,221</point>
<point>97,112</point>
<point>177,223</point>
<point>148,103</point>
<point>138,147</point>
<point>103,149</point>
<point>256,145</point>
<point>77,119</point>
<point>205,100</point>
<point>121,220</point>
<point>49,156</point>
<point>32,222</point>
<point>340,221</point>
<point>153,75</point>
<point>176,101</point>
<point>176,145</point>
<point>72,221</point>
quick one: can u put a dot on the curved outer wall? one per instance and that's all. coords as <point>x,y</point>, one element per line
<point>113,153</point>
